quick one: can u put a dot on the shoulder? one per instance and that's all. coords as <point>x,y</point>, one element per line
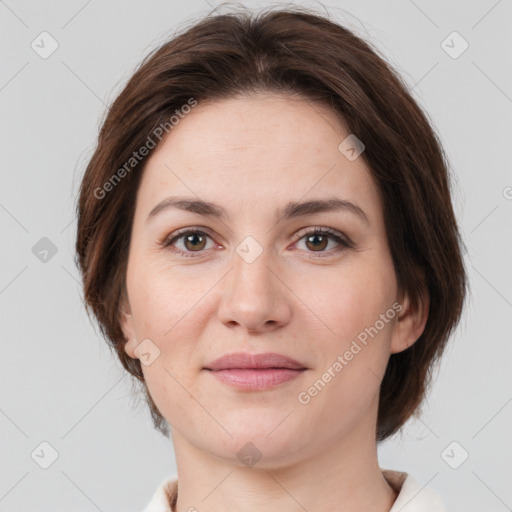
<point>412,496</point>
<point>164,495</point>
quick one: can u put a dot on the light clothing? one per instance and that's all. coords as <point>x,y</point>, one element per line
<point>412,497</point>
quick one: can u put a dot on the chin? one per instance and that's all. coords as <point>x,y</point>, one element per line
<point>257,449</point>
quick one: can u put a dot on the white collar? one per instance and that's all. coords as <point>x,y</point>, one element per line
<point>412,497</point>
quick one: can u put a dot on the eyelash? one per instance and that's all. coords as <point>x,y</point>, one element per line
<point>344,243</point>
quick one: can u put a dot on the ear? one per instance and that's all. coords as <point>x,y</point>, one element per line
<point>128,328</point>
<point>410,322</point>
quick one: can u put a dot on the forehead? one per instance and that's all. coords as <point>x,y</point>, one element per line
<point>261,123</point>
<point>262,148</point>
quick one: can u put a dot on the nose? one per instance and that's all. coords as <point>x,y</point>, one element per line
<point>255,296</point>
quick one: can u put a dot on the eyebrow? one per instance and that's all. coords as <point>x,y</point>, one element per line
<point>292,210</point>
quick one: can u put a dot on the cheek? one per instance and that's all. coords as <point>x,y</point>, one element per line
<point>156,298</point>
<point>170,314</point>
<point>168,389</point>
<point>350,302</point>
<point>163,287</point>
<point>349,299</point>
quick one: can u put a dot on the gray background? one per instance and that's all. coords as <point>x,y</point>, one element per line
<point>59,381</point>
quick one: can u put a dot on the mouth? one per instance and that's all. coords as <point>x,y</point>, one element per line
<point>255,372</point>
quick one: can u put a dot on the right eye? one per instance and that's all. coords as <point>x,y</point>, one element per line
<point>193,241</point>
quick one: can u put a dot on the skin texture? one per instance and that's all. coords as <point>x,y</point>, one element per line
<point>251,155</point>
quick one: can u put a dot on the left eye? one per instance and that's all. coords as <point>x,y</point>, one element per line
<point>316,240</point>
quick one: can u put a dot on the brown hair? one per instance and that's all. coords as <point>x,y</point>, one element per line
<point>290,51</point>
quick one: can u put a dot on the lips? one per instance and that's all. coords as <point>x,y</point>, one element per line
<point>254,372</point>
<point>246,360</point>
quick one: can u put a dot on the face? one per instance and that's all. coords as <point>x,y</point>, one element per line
<point>257,279</point>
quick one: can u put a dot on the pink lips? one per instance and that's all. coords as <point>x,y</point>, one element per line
<point>255,371</point>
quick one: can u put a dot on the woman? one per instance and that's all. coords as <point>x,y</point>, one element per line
<point>267,240</point>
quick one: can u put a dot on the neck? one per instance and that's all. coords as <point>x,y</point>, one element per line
<point>340,477</point>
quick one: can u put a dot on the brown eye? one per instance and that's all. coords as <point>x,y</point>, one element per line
<point>194,241</point>
<point>187,242</point>
<point>317,242</point>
